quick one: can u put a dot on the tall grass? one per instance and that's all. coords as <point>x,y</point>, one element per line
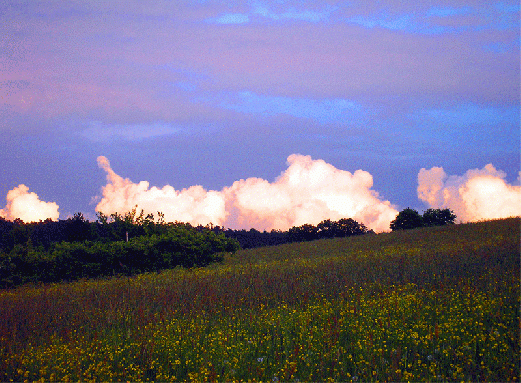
<point>437,304</point>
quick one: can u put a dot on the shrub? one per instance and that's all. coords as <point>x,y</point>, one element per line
<point>181,245</point>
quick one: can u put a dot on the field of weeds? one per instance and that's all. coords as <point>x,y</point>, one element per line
<point>431,304</point>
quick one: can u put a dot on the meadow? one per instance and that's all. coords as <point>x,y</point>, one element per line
<point>429,304</point>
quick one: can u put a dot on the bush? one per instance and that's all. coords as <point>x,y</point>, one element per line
<point>181,245</point>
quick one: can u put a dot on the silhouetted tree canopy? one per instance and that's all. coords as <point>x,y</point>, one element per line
<point>438,217</point>
<point>411,219</point>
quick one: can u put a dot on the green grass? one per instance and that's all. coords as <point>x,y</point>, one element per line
<point>432,304</point>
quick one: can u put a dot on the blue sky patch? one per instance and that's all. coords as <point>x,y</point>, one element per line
<point>322,111</point>
<point>233,18</point>
<point>469,115</point>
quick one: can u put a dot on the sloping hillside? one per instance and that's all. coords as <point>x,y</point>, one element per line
<point>432,304</point>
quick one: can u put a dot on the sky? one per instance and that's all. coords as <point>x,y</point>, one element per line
<point>264,114</point>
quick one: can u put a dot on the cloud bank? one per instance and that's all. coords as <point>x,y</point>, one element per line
<point>308,191</point>
<point>478,194</point>
<point>27,206</point>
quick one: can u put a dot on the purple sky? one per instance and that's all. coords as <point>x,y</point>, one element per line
<point>186,93</point>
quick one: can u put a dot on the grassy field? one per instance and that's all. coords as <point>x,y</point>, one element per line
<point>433,304</point>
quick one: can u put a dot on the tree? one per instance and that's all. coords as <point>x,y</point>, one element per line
<point>77,228</point>
<point>306,232</point>
<point>407,219</point>
<point>326,229</point>
<point>438,217</point>
<point>348,226</point>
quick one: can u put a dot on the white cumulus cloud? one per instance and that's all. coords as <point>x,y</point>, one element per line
<point>308,191</point>
<point>27,206</point>
<point>194,205</point>
<point>478,194</point>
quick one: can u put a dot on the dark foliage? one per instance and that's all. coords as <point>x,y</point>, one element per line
<point>253,238</point>
<point>75,248</point>
<point>411,219</point>
<point>407,219</point>
<point>438,217</point>
<point>128,244</point>
<point>326,229</point>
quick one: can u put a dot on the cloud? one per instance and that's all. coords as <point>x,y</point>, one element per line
<point>27,206</point>
<point>308,191</point>
<point>107,70</point>
<point>194,205</point>
<point>478,194</point>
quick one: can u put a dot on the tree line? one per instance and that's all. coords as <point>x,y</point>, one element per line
<point>66,250</point>
<point>344,227</point>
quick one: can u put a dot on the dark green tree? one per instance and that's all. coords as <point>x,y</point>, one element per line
<point>348,226</point>
<point>407,219</point>
<point>77,228</point>
<point>326,229</point>
<point>20,233</point>
<point>306,232</point>
<point>438,217</point>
